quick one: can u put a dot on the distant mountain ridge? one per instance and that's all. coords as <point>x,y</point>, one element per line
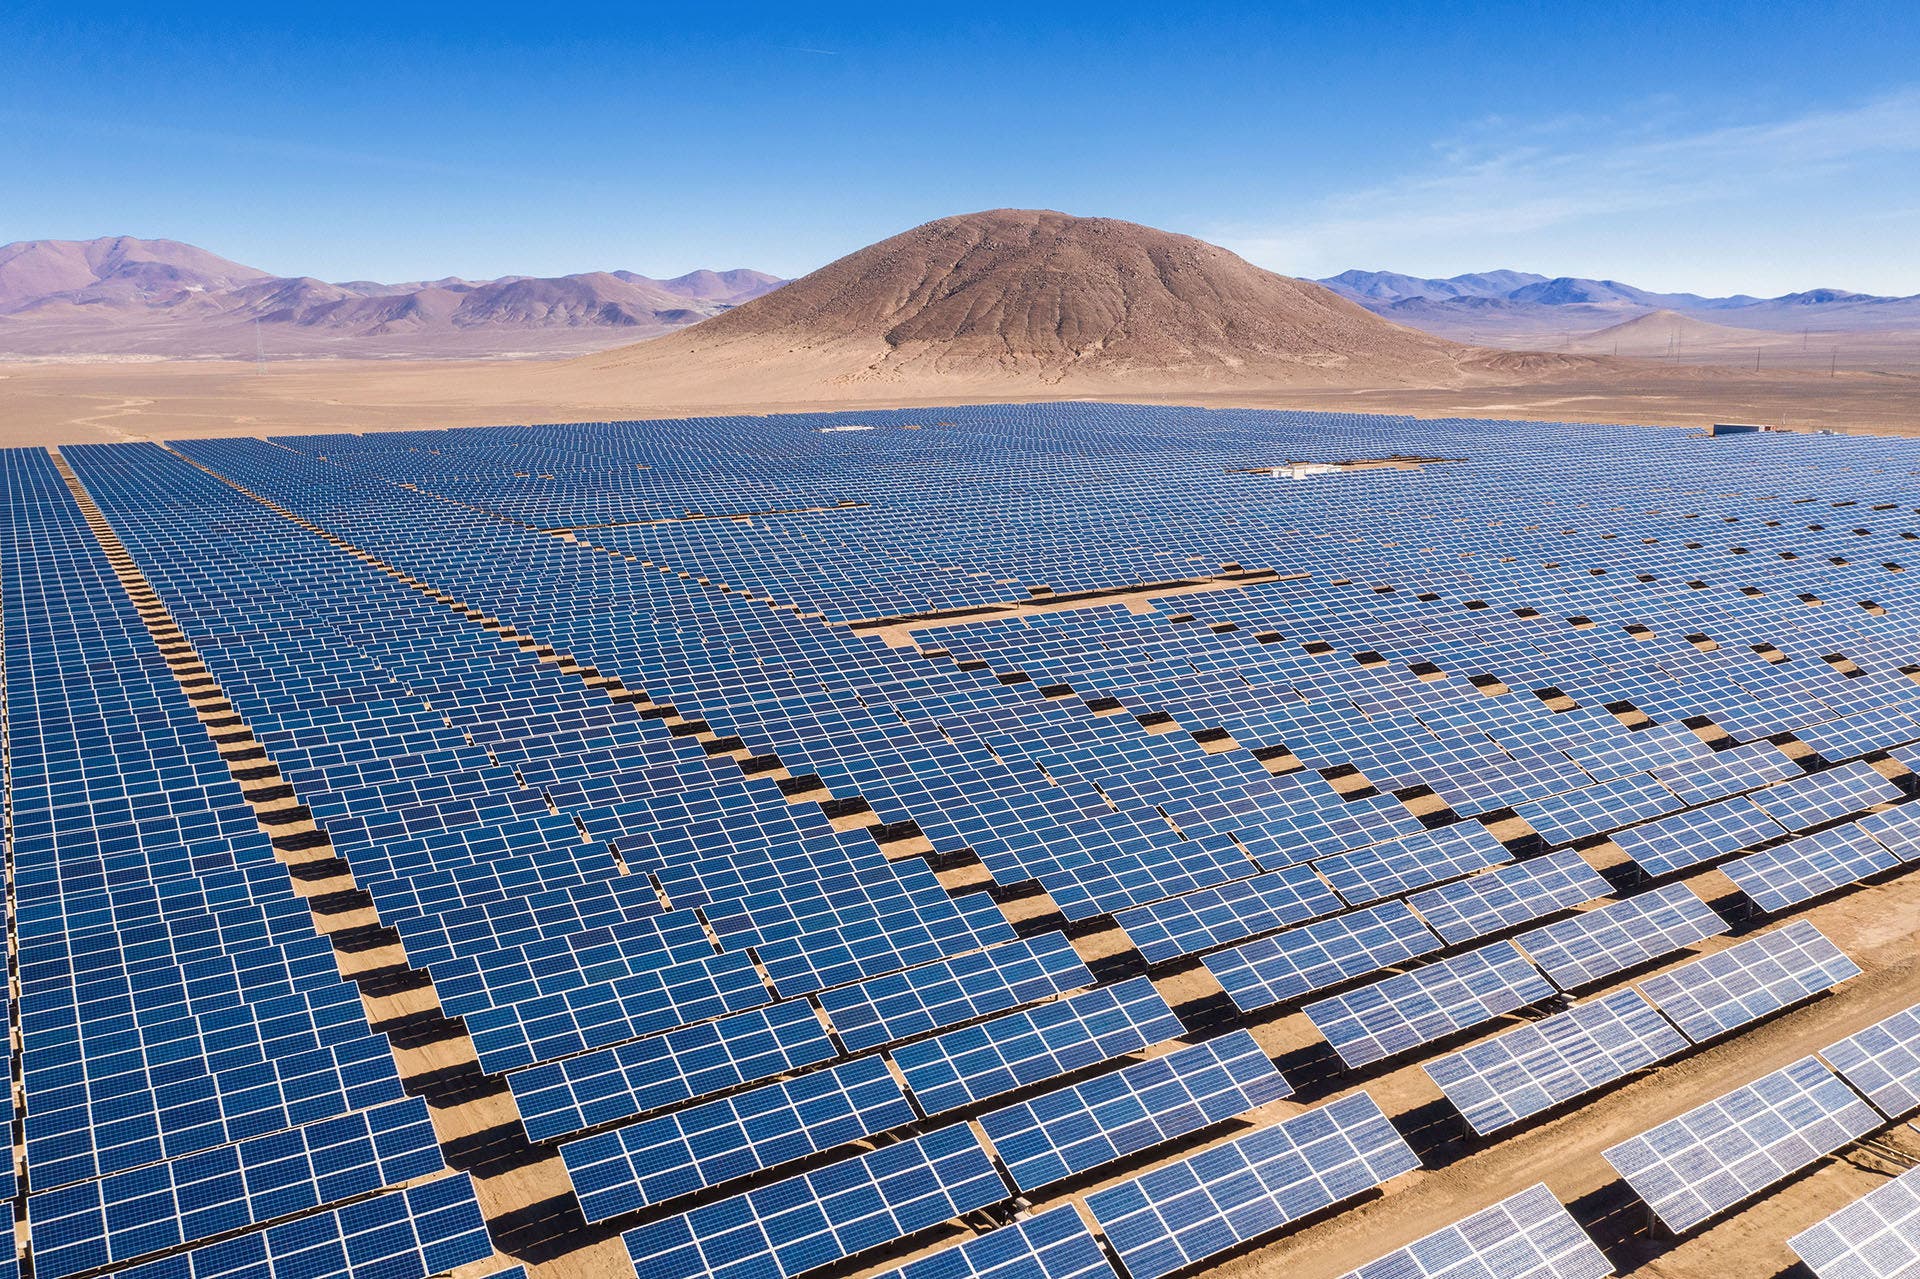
<point>1492,305</point>
<point>124,296</point>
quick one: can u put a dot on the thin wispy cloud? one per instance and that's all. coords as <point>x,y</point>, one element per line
<point>1511,178</point>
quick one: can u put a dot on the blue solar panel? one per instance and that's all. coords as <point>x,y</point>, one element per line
<point>426,1230</point>
<point>606,1012</point>
<point>1314,956</point>
<point>977,1062</point>
<point>1562,819</point>
<point>1136,1108</point>
<point>1877,1236</point>
<point>1809,867</point>
<point>1530,1235</point>
<point>1428,1003</point>
<point>132,1214</point>
<point>1609,939</point>
<point>1532,1068</point>
<point>1232,912</point>
<point>1882,1062</point>
<point>1694,838</point>
<point>1051,1245</point>
<point>1413,861</point>
<point>1697,1166</point>
<point>1800,803</point>
<point>706,1145</point>
<point>901,1005</point>
<point>838,1211</point>
<point>1508,896</point>
<point>1749,980</point>
<point>1174,1217</point>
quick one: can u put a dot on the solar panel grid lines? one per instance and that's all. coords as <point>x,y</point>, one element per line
<point>1598,809</point>
<point>1877,1236</point>
<point>427,1229</point>
<point>1240,1190</point>
<point>1427,1003</point>
<point>1620,935</point>
<point>1808,867</point>
<point>1871,730</point>
<point>1727,772</point>
<point>1054,1244</point>
<point>1125,1111</point>
<point>919,932</point>
<point>1412,861</point>
<point>1800,803</point>
<point>1698,836</point>
<point>1309,957</point>
<point>127,1215</point>
<point>979,1062</point>
<point>838,1211</point>
<point>1752,978</point>
<point>1523,1072</point>
<point>1529,1235</point>
<point>1897,829</point>
<point>715,1142</point>
<point>899,1006</point>
<point>1213,917</point>
<point>1882,1062</point>
<point>1507,896</point>
<point>1696,1166</point>
<point>604,1013</point>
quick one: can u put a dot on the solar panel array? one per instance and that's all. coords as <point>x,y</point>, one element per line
<point>1882,1062</point>
<point>1431,1002</point>
<point>1699,1165</point>
<point>1621,935</point>
<point>1185,1212</point>
<point>1525,1236</point>
<point>1526,1071</point>
<point>1877,1236</point>
<point>1749,980</point>
<point>563,699</point>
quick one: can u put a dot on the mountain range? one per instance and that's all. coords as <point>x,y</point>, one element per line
<point>1508,306</point>
<point>122,296</point>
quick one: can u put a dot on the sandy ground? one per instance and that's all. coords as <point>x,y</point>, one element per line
<point>44,403</point>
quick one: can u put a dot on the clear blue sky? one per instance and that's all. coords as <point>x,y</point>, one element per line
<point>1706,146</point>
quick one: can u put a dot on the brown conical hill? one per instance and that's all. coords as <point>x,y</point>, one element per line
<point>1024,297</point>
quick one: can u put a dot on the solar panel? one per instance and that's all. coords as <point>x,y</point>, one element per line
<point>977,1062</point>
<point>1609,939</point>
<point>1897,829</point>
<point>1132,1109</point>
<point>1412,861</point>
<point>1509,895</point>
<point>1051,1245</point>
<point>1809,867</point>
<point>1725,772</point>
<point>1883,1062</point>
<point>1860,734</point>
<point>1562,819</point>
<point>1529,1235</point>
<point>1709,1159</point>
<point>606,1012</point>
<point>1173,1217</point>
<point>1877,1236</point>
<point>839,1211</point>
<point>650,1074</point>
<point>707,1145</point>
<point>1800,803</point>
<point>426,1230</point>
<point>1749,980</point>
<point>1273,970</point>
<point>116,1219</point>
<point>1229,913</point>
<point>1431,1002</point>
<point>899,1006</point>
<point>1695,838</point>
<point>1543,1064</point>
